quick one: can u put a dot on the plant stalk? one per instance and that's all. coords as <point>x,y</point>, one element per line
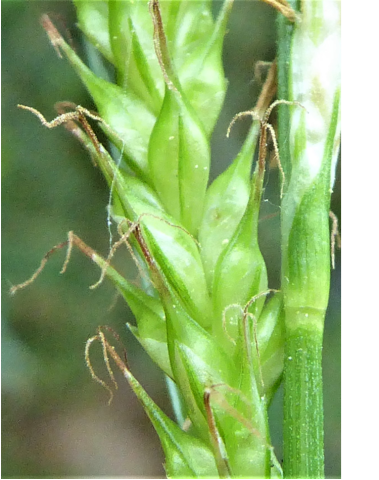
<point>308,73</point>
<point>303,404</point>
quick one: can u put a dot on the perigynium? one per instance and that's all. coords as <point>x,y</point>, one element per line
<point>202,309</point>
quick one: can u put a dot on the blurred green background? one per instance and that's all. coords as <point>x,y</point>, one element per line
<point>55,419</point>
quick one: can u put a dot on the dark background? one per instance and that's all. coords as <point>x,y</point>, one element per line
<point>55,419</point>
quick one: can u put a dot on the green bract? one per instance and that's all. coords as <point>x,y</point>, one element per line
<point>200,306</point>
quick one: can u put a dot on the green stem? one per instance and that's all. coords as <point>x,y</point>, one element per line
<point>303,404</point>
<point>284,34</point>
<point>307,141</point>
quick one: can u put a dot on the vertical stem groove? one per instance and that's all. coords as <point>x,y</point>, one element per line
<point>303,405</point>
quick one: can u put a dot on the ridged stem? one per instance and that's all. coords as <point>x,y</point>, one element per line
<point>303,404</point>
<point>308,73</point>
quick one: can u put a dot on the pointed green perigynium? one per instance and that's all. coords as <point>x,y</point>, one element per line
<point>177,255</point>
<point>179,160</point>
<point>225,203</point>
<point>240,272</point>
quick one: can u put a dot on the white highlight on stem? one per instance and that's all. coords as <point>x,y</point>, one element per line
<point>315,79</point>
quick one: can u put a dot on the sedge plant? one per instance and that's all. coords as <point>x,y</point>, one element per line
<point>204,309</point>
